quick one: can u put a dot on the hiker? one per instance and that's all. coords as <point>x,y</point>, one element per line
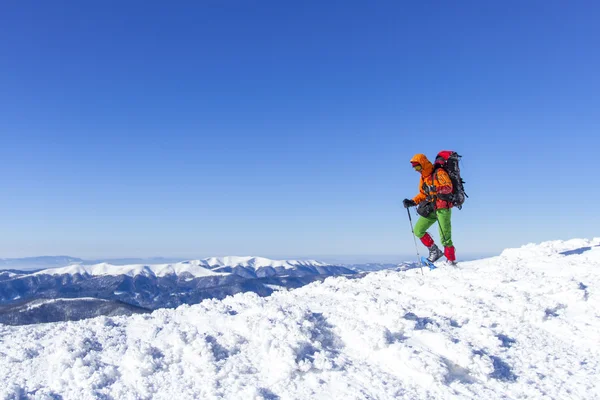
<point>433,201</point>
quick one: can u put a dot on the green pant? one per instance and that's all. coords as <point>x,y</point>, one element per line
<point>443,216</point>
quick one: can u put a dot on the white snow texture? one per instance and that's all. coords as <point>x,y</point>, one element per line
<point>523,325</point>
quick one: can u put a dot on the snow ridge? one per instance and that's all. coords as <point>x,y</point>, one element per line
<point>213,266</point>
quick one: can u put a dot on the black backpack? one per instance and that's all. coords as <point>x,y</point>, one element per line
<point>448,161</point>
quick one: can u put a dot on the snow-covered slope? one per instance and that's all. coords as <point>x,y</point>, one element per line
<point>522,325</point>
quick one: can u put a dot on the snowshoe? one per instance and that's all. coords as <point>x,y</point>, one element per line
<point>427,263</point>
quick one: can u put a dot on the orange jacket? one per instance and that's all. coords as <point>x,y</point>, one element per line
<point>430,184</point>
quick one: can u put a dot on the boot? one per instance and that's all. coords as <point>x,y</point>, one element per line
<point>450,253</point>
<point>434,253</point>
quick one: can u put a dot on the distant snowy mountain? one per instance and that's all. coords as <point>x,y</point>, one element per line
<point>45,262</point>
<point>255,266</point>
<point>523,325</point>
<point>32,263</point>
<point>161,285</point>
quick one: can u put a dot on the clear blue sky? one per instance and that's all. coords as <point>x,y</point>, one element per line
<point>285,129</point>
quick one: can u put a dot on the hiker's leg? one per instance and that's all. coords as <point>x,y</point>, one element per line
<point>421,227</point>
<point>444,217</point>
<point>445,225</point>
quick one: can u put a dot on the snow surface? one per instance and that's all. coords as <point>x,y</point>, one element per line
<point>197,268</point>
<point>523,325</point>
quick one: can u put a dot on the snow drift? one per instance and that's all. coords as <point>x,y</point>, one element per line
<point>525,324</point>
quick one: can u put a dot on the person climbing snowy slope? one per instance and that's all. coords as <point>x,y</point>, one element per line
<point>433,201</point>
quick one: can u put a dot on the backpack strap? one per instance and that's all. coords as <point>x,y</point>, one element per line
<point>450,199</point>
<point>431,187</point>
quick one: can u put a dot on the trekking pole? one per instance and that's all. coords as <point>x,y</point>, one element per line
<point>415,238</point>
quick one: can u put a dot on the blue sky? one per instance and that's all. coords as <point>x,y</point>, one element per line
<point>284,129</point>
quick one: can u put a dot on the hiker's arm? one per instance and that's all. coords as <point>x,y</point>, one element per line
<point>421,196</point>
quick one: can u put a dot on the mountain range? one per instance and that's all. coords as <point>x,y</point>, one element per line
<point>44,262</point>
<point>106,289</point>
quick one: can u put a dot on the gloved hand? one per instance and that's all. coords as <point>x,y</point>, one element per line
<point>408,203</point>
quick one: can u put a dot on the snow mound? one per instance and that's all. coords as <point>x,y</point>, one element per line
<point>525,324</point>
